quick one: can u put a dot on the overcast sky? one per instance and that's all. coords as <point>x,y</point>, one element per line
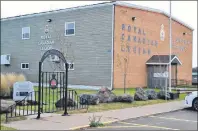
<point>186,11</point>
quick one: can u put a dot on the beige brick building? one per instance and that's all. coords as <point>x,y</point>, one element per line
<point>141,33</point>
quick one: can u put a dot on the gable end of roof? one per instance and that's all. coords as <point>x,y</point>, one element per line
<point>120,3</point>
<point>99,5</point>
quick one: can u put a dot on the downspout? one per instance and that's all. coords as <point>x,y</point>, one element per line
<point>112,48</point>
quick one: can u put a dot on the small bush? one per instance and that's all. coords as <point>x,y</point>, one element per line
<point>94,122</point>
<point>7,82</point>
<point>5,90</point>
<point>21,77</point>
<point>13,77</point>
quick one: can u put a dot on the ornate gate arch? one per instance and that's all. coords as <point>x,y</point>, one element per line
<point>52,83</point>
<point>52,94</point>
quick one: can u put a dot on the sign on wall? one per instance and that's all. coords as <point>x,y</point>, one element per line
<point>46,42</point>
<point>161,75</point>
<point>55,40</point>
<point>23,90</point>
<point>132,36</point>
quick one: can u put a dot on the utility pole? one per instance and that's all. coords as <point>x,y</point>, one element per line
<point>170,33</point>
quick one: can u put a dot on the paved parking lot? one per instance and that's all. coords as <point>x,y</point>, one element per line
<point>185,119</point>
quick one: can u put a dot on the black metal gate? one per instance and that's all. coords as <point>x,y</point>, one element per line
<point>55,88</point>
<point>52,94</point>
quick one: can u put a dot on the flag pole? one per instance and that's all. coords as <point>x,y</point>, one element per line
<point>170,33</point>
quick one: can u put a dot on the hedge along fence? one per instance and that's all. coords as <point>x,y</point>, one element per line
<point>7,82</point>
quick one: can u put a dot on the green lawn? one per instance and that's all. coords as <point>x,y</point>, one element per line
<point>118,105</point>
<point>188,86</point>
<point>95,108</point>
<point>3,120</point>
<point>6,128</point>
<point>92,108</point>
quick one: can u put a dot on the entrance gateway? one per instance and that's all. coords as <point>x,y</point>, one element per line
<point>55,84</point>
<point>52,94</point>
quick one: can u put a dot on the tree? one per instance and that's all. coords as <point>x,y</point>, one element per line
<point>123,60</point>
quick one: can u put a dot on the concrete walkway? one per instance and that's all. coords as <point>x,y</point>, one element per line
<point>58,122</point>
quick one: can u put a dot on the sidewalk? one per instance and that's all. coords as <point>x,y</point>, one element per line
<point>58,122</point>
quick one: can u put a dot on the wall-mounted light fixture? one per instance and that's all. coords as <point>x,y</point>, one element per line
<point>133,18</point>
<point>184,33</point>
<point>49,20</point>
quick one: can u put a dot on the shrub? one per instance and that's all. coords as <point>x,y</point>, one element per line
<point>94,122</point>
<point>5,90</point>
<point>7,81</point>
<point>13,77</point>
<point>21,77</point>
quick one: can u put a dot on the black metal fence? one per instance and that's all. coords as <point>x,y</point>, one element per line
<point>79,103</point>
<point>50,96</point>
<point>181,83</point>
<point>29,105</point>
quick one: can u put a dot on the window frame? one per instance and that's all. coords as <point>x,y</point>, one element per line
<point>73,65</point>
<point>68,66</point>
<point>66,28</point>
<point>23,33</point>
<point>25,65</point>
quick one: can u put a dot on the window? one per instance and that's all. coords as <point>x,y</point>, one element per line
<point>24,65</point>
<point>70,66</point>
<point>69,28</point>
<point>26,33</point>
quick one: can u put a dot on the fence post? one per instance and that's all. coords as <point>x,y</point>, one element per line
<point>6,117</point>
<point>39,95</point>
<point>65,107</point>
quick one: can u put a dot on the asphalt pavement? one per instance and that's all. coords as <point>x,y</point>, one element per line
<point>185,119</point>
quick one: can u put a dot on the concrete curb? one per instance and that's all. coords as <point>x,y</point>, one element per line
<point>109,122</point>
<point>85,126</point>
<point>79,127</point>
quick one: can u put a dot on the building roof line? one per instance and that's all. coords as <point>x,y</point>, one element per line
<point>154,63</point>
<point>153,10</point>
<point>120,3</point>
<point>162,60</point>
<point>58,11</point>
<point>176,59</point>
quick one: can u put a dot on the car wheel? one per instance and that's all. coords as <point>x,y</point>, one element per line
<point>195,104</point>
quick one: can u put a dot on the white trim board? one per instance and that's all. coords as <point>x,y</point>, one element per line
<point>157,63</point>
<point>112,48</point>
<point>177,59</point>
<point>98,5</point>
<point>154,63</point>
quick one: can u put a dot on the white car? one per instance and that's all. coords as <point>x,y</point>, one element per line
<point>191,100</point>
